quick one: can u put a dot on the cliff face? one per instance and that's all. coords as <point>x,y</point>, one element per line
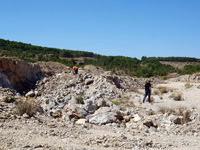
<point>18,74</point>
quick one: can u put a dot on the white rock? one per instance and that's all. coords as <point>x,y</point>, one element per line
<point>81,121</point>
<point>25,116</point>
<point>105,118</point>
<point>30,94</point>
<point>102,110</point>
<point>89,81</point>
<point>136,118</point>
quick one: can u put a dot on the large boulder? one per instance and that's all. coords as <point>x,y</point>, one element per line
<point>102,110</point>
<point>90,106</point>
<point>76,111</point>
<point>108,117</point>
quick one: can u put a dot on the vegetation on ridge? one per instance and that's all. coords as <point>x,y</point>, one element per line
<point>145,67</point>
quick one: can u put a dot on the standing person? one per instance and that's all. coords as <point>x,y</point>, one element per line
<point>75,70</point>
<point>147,91</point>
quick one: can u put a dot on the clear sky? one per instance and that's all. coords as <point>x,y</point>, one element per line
<point>133,28</point>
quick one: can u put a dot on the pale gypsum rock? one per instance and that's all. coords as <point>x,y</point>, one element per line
<point>89,81</point>
<point>81,121</point>
<point>30,94</point>
<point>136,118</point>
<point>105,118</point>
<point>102,110</point>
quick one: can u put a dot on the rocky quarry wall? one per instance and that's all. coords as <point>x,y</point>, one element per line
<point>18,74</point>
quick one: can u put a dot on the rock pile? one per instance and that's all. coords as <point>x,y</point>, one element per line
<point>85,95</point>
<point>85,98</point>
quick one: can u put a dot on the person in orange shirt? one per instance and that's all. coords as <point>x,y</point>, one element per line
<point>75,70</point>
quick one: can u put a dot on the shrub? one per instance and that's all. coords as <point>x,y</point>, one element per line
<point>188,85</point>
<point>125,102</point>
<point>134,89</point>
<point>10,99</point>
<point>164,78</point>
<point>80,99</point>
<point>116,102</point>
<point>178,96</point>
<point>152,100</point>
<point>163,89</point>
<point>172,89</point>
<point>186,117</point>
<point>156,92</point>
<point>181,110</point>
<point>29,106</point>
<point>131,103</point>
<point>140,101</point>
<point>164,109</point>
<point>185,113</point>
<point>150,112</point>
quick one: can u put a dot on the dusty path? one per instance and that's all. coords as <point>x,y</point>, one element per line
<point>30,134</point>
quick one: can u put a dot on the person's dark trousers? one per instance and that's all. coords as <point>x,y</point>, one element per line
<point>147,93</point>
<point>76,71</point>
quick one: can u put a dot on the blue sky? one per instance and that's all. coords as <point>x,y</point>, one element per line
<point>133,28</point>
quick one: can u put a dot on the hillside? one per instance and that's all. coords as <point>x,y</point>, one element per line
<point>146,67</point>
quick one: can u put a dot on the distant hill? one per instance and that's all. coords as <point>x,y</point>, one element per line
<point>146,67</point>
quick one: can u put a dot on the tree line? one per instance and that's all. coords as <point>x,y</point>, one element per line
<point>146,67</point>
<point>174,59</point>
